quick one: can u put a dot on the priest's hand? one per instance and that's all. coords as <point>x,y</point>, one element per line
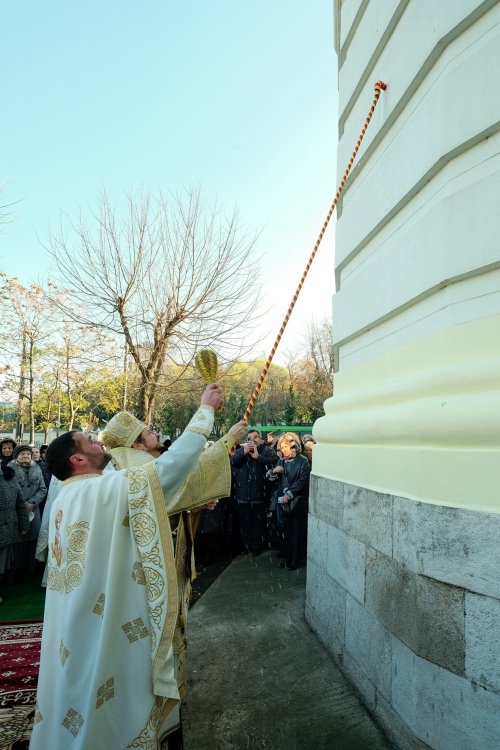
<point>211,505</point>
<point>239,430</point>
<point>212,396</point>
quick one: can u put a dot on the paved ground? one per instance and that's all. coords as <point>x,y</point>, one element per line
<point>258,677</point>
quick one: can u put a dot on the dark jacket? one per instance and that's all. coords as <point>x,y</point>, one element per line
<point>13,513</point>
<point>45,472</point>
<point>30,480</point>
<point>294,480</point>
<point>250,484</point>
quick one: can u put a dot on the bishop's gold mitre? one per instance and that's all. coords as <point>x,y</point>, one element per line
<point>122,430</point>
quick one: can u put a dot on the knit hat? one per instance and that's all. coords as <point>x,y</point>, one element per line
<point>21,448</point>
<point>122,430</point>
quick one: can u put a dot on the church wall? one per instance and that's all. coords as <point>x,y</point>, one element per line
<point>406,598</point>
<point>402,584</point>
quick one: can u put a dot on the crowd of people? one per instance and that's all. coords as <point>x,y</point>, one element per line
<point>24,480</point>
<point>119,553</point>
<point>268,505</point>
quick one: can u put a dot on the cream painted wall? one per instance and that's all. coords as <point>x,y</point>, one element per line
<point>422,421</point>
<point>417,309</point>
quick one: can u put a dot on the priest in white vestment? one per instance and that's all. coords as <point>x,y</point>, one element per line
<point>106,678</point>
<point>42,545</point>
<point>131,443</point>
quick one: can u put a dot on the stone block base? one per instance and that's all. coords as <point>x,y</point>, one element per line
<point>406,597</point>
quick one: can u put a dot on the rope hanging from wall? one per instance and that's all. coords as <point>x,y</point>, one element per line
<point>379,87</point>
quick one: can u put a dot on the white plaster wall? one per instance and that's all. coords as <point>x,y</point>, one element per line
<point>349,10</point>
<point>436,121</point>
<point>433,240</point>
<point>471,299</point>
<point>368,34</point>
<point>418,255</point>
<point>421,210</point>
<point>423,31</point>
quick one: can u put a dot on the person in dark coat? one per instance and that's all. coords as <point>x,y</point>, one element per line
<point>291,475</point>
<point>37,458</point>
<point>7,446</point>
<point>308,451</point>
<point>30,480</point>
<point>251,491</point>
<point>13,517</point>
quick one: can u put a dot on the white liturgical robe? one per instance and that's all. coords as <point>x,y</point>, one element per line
<point>106,674</point>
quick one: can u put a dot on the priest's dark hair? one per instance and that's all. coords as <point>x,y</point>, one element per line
<point>58,454</point>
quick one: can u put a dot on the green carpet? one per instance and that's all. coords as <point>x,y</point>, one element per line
<point>24,600</point>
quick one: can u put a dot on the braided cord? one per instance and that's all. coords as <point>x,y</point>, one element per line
<point>379,87</point>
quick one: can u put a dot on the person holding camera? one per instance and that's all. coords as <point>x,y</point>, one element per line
<point>290,477</point>
<point>252,461</point>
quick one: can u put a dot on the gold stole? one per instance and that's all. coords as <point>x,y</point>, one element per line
<point>166,577</point>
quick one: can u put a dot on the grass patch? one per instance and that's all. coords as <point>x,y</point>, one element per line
<point>24,600</point>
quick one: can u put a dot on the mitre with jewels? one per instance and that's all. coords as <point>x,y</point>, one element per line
<point>122,430</point>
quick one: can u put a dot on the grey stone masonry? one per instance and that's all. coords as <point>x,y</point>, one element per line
<point>425,614</point>
<point>482,634</point>
<point>346,562</point>
<point>368,517</point>
<point>406,597</point>
<point>453,545</point>
<point>326,500</point>
<point>368,642</point>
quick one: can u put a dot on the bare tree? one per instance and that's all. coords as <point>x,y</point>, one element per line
<point>5,208</point>
<point>319,346</point>
<point>310,368</point>
<point>29,313</point>
<point>169,276</point>
<point>81,350</point>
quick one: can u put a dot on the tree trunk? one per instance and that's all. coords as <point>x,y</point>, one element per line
<point>146,399</point>
<point>71,402</point>
<point>71,406</point>
<point>30,391</point>
<point>125,376</point>
<point>22,383</point>
<point>48,414</point>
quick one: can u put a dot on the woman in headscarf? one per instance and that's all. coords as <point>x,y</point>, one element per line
<point>14,515</point>
<point>291,474</point>
<point>30,479</point>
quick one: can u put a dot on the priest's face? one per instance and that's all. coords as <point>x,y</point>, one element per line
<point>150,441</point>
<point>93,450</point>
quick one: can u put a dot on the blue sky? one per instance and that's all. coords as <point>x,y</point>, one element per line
<point>239,98</point>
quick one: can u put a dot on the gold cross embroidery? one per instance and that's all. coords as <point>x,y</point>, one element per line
<point>138,573</point>
<point>63,653</point>
<point>99,606</point>
<point>135,630</point>
<point>105,692</point>
<point>73,721</point>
